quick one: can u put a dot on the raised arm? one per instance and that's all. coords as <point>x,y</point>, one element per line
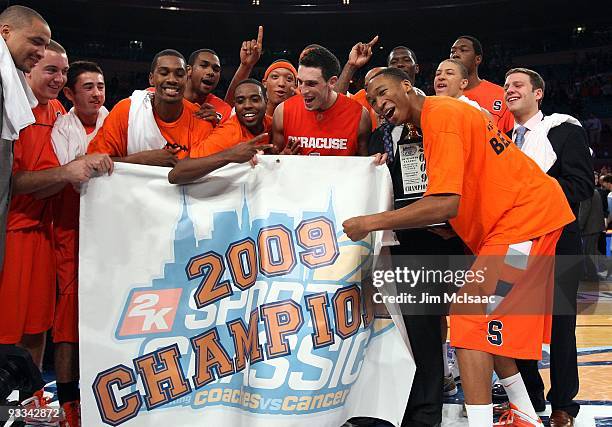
<point>250,52</point>
<point>359,55</point>
<point>364,133</point>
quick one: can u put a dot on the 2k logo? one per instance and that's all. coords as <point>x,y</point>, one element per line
<point>150,312</point>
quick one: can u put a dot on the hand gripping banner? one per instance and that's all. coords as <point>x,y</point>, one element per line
<point>236,300</point>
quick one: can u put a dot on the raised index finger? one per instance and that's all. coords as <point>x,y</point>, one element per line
<point>373,41</point>
<point>260,36</point>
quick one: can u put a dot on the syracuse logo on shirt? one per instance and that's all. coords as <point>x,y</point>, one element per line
<point>320,143</point>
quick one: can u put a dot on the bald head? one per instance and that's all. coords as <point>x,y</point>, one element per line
<point>26,34</point>
<point>371,74</point>
<point>20,16</point>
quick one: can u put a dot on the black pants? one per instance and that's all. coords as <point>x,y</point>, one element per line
<point>424,406</point>
<point>564,381</point>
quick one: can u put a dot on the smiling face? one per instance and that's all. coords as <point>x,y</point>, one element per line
<point>313,87</point>
<point>250,105</point>
<point>520,96</point>
<point>88,94</point>
<point>205,73</point>
<point>48,77</point>
<point>449,81</point>
<point>280,85</point>
<point>169,78</point>
<point>26,43</point>
<point>389,98</point>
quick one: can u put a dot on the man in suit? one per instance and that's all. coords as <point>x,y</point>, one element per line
<point>573,169</point>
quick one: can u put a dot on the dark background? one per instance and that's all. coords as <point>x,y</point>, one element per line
<point>569,43</point>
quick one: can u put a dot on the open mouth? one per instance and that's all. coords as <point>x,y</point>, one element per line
<point>511,99</point>
<point>170,91</point>
<point>280,93</point>
<point>308,100</point>
<point>250,116</point>
<point>208,83</point>
<point>441,85</point>
<point>388,113</point>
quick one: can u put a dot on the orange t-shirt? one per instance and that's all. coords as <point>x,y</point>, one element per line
<point>184,133</point>
<point>333,132</point>
<point>505,196</point>
<point>224,110</point>
<point>361,97</point>
<point>34,152</point>
<point>491,97</point>
<point>227,135</point>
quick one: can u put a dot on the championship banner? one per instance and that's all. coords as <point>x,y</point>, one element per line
<point>236,300</point>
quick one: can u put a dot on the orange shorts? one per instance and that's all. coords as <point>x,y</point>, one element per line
<point>516,322</point>
<point>66,322</point>
<point>27,284</point>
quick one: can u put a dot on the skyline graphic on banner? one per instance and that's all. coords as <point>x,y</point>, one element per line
<point>312,376</point>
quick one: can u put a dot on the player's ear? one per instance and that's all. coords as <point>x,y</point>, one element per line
<point>416,69</point>
<point>332,81</point>
<point>151,79</point>
<point>189,71</point>
<point>478,59</point>
<point>407,85</point>
<point>69,94</point>
<point>463,84</point>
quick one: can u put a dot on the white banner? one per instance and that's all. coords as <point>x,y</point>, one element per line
<point>235,301</point>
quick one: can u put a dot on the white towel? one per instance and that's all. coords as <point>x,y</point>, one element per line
<point>537,145</point>
<point>69,137</point>
<point>18,97</point>
<point>143,132</point>
<point>469,101</point>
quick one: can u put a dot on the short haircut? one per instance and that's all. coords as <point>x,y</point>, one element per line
<point>462,68</point>
<point>56,47</point>
<point>402,48</point>
<point>20,16</point>
<point>395,73</point>
<point>475,42</point>
<point>537,82</point>
<point>80,67</point>
<point>255,82</point>
<point>194,55</point>
<point>165,52</point>
<point>319,57</point>
<point>606,179</point>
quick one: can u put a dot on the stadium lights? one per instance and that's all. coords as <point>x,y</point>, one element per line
<point>255,2</point>
<point>346,2</point>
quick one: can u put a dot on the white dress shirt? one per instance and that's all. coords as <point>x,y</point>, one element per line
<point>529,124</point>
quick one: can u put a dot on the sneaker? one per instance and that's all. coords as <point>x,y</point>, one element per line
<point>515,418</point>
<point>454,367</point>
<point>450,388</point>
<point>498,393</point>
<point>499,409</point>
<point>41,400</point>
<point>71,414</point>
